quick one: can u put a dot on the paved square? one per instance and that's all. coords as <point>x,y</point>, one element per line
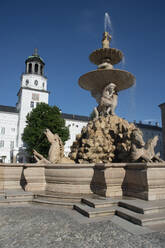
<point>31,226</point>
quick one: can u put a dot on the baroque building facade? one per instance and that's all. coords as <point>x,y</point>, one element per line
<point>33,90</point>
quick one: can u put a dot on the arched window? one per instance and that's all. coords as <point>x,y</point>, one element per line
<point>36,68</point>
<point>41,68</point>
<point>30,68</point>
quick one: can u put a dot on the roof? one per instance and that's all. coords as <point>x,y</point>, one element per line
<point>12,109</point>
<point>86,119</point>
<point>35,58</point>
<point>9,109</point>
<point>147,126</point>
<point>75,117</point>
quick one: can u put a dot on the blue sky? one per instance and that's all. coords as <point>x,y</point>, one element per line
<point>66,32</point>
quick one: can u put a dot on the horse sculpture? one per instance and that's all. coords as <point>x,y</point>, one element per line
<point>143,151</point>
<point>56,151</point>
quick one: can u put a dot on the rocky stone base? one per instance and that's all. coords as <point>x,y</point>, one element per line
<point>104,140</point>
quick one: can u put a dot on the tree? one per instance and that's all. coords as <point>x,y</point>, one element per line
<point>40,118</point>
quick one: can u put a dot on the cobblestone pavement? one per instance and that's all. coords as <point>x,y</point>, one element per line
<point>32,226</point>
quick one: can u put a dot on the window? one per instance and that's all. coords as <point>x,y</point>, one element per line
<point>2,130</point>
<point>27,82</point>
<point>36,82</point>
<point>11,144</point>
<point>32,104</point>
<point>13,129</point>
<point>2,159</point>
<point>35,96</point>
<point>41,70</point>
<point>30,68</point>
<point>36,68</point>
<point>1,143</point>
<point>43,85</point>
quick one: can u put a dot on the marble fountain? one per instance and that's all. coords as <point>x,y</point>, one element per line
<point>108,159</point>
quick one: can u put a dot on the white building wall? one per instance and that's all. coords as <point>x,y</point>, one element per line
<point>34,81</point>
<point>8,134</point>
<point>75,128</point>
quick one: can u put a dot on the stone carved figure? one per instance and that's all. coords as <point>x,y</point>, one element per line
<point>107,101</point>
<point>56,151</point>
<point>40,158</point>
<point>142,150</point>
<point>106,40</point>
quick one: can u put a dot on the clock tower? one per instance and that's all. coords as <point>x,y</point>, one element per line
<point>33,90</point>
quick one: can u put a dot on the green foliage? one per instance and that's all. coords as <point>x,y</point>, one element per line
<point>40,118</point>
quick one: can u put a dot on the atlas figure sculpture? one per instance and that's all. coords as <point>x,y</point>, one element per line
<point>107,101</point>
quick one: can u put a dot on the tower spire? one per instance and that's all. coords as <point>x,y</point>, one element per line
<point>35,52</point>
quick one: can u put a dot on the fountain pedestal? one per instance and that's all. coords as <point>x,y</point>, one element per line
<point>145,181</point>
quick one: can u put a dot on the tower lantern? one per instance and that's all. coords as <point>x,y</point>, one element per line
<point>35,64</point>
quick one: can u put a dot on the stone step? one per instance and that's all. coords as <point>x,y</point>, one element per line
<point>100,203</point>
<point>28,197</point>
<point>142,206</point>
<point>15,201</point>
<point>54,203</point>
<point>141,219</point>
<point>62,198</point>
<point>17,193</point>
<point>23,195</point>
<point>94,212</point>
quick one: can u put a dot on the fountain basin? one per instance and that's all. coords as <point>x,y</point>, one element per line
<point>98,79</point>
<point>69,179</point>
<point>139,180</point>
<point>10,177</point>
<point>101,179</point>
<point>113,54</point>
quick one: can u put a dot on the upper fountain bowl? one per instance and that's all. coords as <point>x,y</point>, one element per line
<point>97,80</point>
<point>111,55</point>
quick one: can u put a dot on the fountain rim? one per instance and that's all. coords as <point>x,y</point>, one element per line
<point>106,53</point>
<point>112,76</point>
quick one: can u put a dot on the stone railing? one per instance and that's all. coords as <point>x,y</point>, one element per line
<point>29,177</point>
<point>145,181</point>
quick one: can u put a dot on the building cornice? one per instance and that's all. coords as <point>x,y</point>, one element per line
<point>34,74</point>
<point>8,109</point>
<point>140,125</point>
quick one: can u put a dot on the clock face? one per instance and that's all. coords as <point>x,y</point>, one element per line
<point>27,82</point>
<point>36,82</point>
